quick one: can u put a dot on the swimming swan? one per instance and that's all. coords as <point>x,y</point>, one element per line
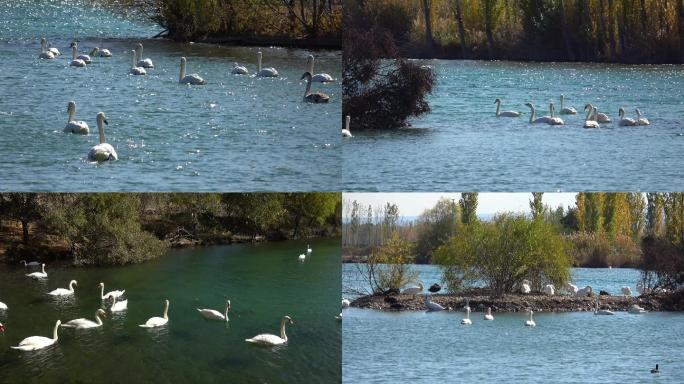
<point>505,113</point>
<point>488,315</point>
<point>302,257</point>
<point>626,121</point>
<point>431,305</point>
<point>641,120</point>
<point>308,249</point>
<point>85,323</point>
<point>30,263</point>
<point>86,59</point>
<point>346,132</point>
<point>118,306</point>
<point>600,117</point>
<point>316,97</point>
<point>568,110</point>
<point>239,70</point>
<point>44,53</point>
<point>64,291</point>
<point>38,342</point>
<point>145,63</point>
<point>38,275</point>
<point>466,320</point>
<point>530,322</point>
<point>3,306</point>
<point>76,62</point>
<point>636,309</point>
<point>97,52</point>
<point>413,290</point>
<point>268,339</point>
<point>345,303</point>
<point>598,311</point>
<point>158,321</point>
<point>102,151</point>
<point>319,77</point>
<point>110,294</point>
<point>543,119</point>
<point>194,79</point>
<point>75,126</point>
<point>554,120</point>
<point>265,72</point>
<point>53,50</point>
<point>212,314</point>
<point>136,70</point>
<point>588,123</point>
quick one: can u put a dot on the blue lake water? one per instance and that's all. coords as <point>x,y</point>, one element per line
<point>461,145</point>
<point>386,347</point>
<point>236,133</point>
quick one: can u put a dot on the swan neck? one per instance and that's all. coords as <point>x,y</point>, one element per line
<point>73,52</point>
<point>100,131</point>
<point>311,65</point>
<point>71,285</point>
<point>308,86</point>
<point>97,318</point>
<point>282,329</point>
<point>347,123</point>
<point>166,311</point>
<point>54,331</point>
<point>591,110</point>
<point>182,70</point>
<point>71,115</point>
<point>101,286</point>
<point>42,267</point>
<point>140,52</point>
<point>498,107</point>
<point>133,59</point>
<point>532,115</point>
<point>259,62</point>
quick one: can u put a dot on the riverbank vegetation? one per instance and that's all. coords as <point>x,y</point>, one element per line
<point>113,228</point>
<point>629,31</point>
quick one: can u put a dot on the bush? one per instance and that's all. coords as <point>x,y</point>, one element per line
<point>597,250</point>
<point>389,268</point>
<point>663,264</point>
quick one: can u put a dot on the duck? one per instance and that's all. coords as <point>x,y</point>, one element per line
<point>193,79</point>
<point>588,122</point>
<point>145,63</point>
<point>530,322</point>
<point>239,70</point>
<point>265,72</point>
<point>488,315</point>
<point>270,340</point>
<point>319,77</point>
<point>75,126</point>
<point>504,113</point>
<point>414,290</point>
<point>533,120</point>
<point>38,342</point>
<point>110,294</point>
<point>136,69</point>
<point>85,323</point>
<point>640,119</point>
<point>39,275</point>
<point>118,306</point>
<point>625,121</point>
<point>212,314</point>
<point>103,151</point>
<point>153,322</point>
<point>346,132</point>
<point>434,288</point>
<point>316,97</point>
<point>64,291</point>
<point>568,110</point>
<point>466,320</point>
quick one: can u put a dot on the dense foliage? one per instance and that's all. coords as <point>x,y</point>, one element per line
<point>389,268</point>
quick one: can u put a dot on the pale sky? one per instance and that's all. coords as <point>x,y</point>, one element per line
<point>413,204</point>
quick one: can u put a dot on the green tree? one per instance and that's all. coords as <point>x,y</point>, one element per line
<point>435,226</point>
<point>23,207</point>
<point>468,204</point>
<point>309,208</point>
<point>390,267</point>
<point>537,205</point>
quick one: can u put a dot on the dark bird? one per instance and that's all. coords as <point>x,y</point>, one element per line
<point>315,97</point>
<point>434,288</point>
<point>655,370</point>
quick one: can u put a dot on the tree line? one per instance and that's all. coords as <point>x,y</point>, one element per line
<point>117,228</point>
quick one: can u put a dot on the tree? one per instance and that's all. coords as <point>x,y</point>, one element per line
<point>389,268</point>
<point>490,13</point>
<point>637,207</point>
<point>435,226</point>
<point>23,207</point>
<point>427,11</point>
<point>309,208</point>
<point>461,28</point>
<point>468,204</point>
<point>537,205</point>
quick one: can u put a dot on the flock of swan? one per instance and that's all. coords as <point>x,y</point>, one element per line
<point>139,67</point>
<point>592,119</point>
<point>39,342</point>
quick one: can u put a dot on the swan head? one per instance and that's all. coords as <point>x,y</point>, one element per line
<point>260,55</point>
<point>71,106</point>
<point>306,75</point>
<point>101,285</point>
<point>101,312</point>
<point>74,282</point>
<point>347,120</point>
<point>183,60</point>
<point>59,322</point>
<point>73,44</point>
<point>102,118</point>
<point>527,104</point>
<point>621,111</point>
<point>288,319</point>
<point>228,304</point>
<point>497,100</point>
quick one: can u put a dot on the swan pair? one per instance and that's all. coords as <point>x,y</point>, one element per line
<point>315,97</point>
<point>64,291</point>
<point>44,52</point>
<point>136,69</point>
<point>102,151</point>
<point>589,121</point>
<point>628,121</point>
<point>110,294</point>
<point>85,323</point>
<point>550,120</point>
<point>345,131</point>
<point>212,314</point>
<point>270,340</point>
<point>80,60</point>
<point>73,125</point>
<point>39,275</point>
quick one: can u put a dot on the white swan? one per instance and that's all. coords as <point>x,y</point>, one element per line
<point>212,314</point>
<point>431,305</point>
<point>239,69</point>
<point>194,78</point>
<point>530,322</point>
<point>588,123</point>
<point>318,77</point>
<point>97,52</point>
<point>53,50</point>
<point>38,275</point>
<point>600,117</point>
<point>268,339</point>
<point>30,263</point>
<point>118,306</point>
<point>571,288</point>
<point>308,249</point>
<point>488,315</point>
<point>533,120</point>
<point>525,286</point>
<point>554,120</point>
<point>315,97</point>
<point>76,62</point>
<point>102,151</point>
<point>636,309</point>
<point>626,121</point>
<point>135,69</point>
<point>413,290</point>
<point>158,321</point>
<point>44,53</point>
<point>265,72</point>
<point>64,291</point>
<point>145,63</point>
<point>598,311</point>
<point>85,323</point>
<point>641,120</point>
<point>110,294</point>
<point>345,131</point>
<point>504,113</point>
<point>586,291</point>
<point>3,306</point>
<point>38,342</point>
<point>549,290</point>
<point>626,291</point>
<point>302,257</point>
<point>345,303</point>
<point>568,110</point>
<point>85,58</point>
<point>75,126</point>
<point>466,320</point>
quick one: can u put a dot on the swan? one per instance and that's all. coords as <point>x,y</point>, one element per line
<point>319,77</point>
<point>54,50</point>
<point>102,151</point>
<point>345,303</point>
<point>504,113</point>
<point>488,315</point>
<point>431,305</point>
<point>44,53</point>
<point>302,257</point>
<point>525,286</point>
<point>635,309</point>
<point>598,311</point>
<point>118,306</point>
<point>308,249</point>
<point>268,339</point>
<point>76,62</point>
<point>554,120</point>
<point>110,294</point>
<point>641,120</point>
<point>568,110</point>
<point>543,119</point>
<point>571,288</point>
<point>345,131</point>
<point>3,306</point>
<point>86,59</point>
<point>466,307</point>
<point>97,52</point>
<point>239,69</point>
<point>413,290</point>
<point>38,275</point>
<point>626,121</point>
<point>586,291</point>
<point>600,117</point>
<point>316,97</point>
<point>549,289</point>
<point>30,263</point>
<point>588,123</point>
<point>158,321</point>
<point>135,69</point>
<point>38,342</point>
<point>194,79</point>
<point>64,291</point>
<point>466,320</point>
<point>212,314</point>
<point>626,291</point>
<point>72,125</point>
<point>265,72</point>
<point>530,322</point>
<point>85,323</point>
<point>145,63</point>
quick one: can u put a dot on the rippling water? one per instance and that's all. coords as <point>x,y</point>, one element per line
<point>236,133</point>
<point>386,347</point>
<point>461,145</point>
<point>264,282</point>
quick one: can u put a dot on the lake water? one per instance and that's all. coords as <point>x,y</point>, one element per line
<point>462,146</point>
<point>263,282</point>
<point>386,347</point>
<point>236,133</point>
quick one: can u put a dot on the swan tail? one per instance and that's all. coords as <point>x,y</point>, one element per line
<point>251,341</point>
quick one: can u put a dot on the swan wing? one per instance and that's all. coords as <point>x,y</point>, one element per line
<point>60,292</point>
<point>75,126</point>
<point>211,314</point>
<point>322,78</point>
<point>119,306</point>
<point>266,339</point>
<point>154,322</point>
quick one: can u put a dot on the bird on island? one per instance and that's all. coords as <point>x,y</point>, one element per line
<point>434,288</point>
<point>525,287</point>
<point>432,306</point>
<point>626,291</point>
<point>345,303</point>
<point>413,290</point>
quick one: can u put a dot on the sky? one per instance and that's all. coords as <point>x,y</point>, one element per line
<point>413,204</point>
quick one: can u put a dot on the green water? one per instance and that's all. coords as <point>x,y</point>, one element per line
<point>263,282</point>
